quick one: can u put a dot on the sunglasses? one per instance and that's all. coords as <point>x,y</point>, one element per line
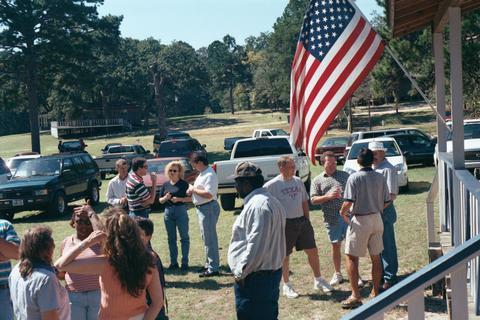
<point>84,222</point>
<point>173,170</point>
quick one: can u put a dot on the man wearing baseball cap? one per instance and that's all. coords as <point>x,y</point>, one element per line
<point>389,216</point>
<point>257,248</point>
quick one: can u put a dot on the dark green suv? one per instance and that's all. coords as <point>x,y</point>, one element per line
<point>50,183</point>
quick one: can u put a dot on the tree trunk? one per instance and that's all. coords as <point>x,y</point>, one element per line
<point>396,99</point>
<point>105,110</point>
<point>161,113</point>
<point>232,108</point>
<point>350,117</point>
<point>32,93</point>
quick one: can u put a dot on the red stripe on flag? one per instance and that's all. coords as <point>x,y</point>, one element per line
<point>344,99</point>
<point>340,80</point>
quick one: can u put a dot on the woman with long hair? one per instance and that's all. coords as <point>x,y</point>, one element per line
<point>126,269</point>
<point>35,289</point>
<point>83,290</point>
<point>173,195</point>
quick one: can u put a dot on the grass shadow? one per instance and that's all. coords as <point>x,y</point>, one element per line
<point>417,187</point>
<point>205,284</point>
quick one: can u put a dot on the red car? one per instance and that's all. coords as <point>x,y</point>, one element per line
<point>158,165</point>
<point>336,145</point>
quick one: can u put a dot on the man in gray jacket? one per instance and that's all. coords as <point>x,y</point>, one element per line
<point>257,248</point>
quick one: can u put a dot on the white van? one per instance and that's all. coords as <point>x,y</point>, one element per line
<point>393,154</point>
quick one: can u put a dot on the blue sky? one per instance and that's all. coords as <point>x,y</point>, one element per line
<point>200,22</point>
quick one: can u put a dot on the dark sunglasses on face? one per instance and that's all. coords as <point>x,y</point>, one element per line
<point>173,170</point>
<point>84,222</point>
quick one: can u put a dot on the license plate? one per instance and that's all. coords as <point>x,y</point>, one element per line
<point>17,203</point>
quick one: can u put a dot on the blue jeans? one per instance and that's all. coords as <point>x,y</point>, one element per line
<point>177,217</point>
<point>84,305</point>
<point>389,254</point>
<point>6,307</point>
<point>337,232</point>
<point>257,296</point>
<point>139,213</point>
<point>207,219</point>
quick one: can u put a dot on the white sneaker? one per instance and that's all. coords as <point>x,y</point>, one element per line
<point>336,279</point>
<point>289,292</point>
<point>361,284</point>
<point>322,284</point>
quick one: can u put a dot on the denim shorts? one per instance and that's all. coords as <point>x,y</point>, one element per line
<point>336,232</point>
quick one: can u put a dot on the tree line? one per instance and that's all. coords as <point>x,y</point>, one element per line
<point>59,57</point>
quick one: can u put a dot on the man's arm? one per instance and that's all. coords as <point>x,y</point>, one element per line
<point>346,205</point>
<point>8,250</point>
<point>306,209</point>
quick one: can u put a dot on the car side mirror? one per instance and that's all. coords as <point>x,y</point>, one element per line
<point>406,153</point>
<point>302,154</point>
<point>148,151</point>
<point>204,145</point>
<point>66,170</point>
<point>434,140</point>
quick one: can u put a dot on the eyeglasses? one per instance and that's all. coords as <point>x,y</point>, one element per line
<point>173,170</point>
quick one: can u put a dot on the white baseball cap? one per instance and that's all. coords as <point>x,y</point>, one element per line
<point>376,146</point>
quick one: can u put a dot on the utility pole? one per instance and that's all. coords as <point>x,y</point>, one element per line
<point>370,104</point>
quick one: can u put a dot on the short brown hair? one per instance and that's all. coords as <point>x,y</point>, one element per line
<point>283,160</point>
<point>328,154</point>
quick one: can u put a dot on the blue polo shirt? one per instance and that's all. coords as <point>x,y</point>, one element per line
<point>7,233</point>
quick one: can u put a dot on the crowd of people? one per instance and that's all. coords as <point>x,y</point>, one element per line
<point>111,271</point>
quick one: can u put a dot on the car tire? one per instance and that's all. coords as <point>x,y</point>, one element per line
<point>228,201</point>
<point>405,188</point>
<point>59,204</point>
<point>7,215</point>
<point>93,194</point>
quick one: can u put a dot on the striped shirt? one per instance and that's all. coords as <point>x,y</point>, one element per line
<point>137,192</point>
<point>7,233</point>
<point>81,282</point>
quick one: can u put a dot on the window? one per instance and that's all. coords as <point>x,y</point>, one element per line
<point>78,163</point>
<point>89,163</point>
<point>258,148</point>
<point>392,150</point>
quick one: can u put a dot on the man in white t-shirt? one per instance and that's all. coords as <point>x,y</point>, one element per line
<point>117,186</point>
<point>291,193</point>
<point>204,197</point>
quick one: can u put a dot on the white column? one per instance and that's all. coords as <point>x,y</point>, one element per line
<point>456,86</point>
<point>458,279</point>
<point>416,306</point>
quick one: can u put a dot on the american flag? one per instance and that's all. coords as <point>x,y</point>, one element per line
<point>336,49</point>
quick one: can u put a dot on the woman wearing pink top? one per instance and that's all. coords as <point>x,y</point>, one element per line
<point>126,269</point>
<point>83,290</point>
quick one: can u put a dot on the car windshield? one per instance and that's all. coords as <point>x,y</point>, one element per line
<point>120,149</point>
<point>392,149</point>
<point>339,141</point>
<point>38,167</point>
<point>175,148</point>
<point>470,131</point>
<point>278,132</point>
<point>157,166</point>
<point>262,147</point>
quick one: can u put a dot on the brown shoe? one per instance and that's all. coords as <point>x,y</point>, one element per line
<point>351,303</point>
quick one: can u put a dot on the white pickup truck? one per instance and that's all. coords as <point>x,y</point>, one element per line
<point>264,152</point>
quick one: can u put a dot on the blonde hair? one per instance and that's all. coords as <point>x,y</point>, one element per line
<point>179,165</point>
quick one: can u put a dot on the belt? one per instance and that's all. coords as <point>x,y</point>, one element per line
<point>201,205</point>
<point>299,219</point>
<point>363,214</point>
<point>4,286</point>
<point>241,282</point>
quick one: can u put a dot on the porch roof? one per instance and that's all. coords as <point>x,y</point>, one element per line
<point>406,16</point>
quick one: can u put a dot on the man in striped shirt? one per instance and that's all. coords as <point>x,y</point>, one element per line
<point>9,243</point>
<point>139,198</point>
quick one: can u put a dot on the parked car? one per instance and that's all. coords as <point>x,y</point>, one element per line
<point>334,144</point>
<point>170,135</point>
<point>385,132</point>
<point>158,166</point>
<point>108,145</point>
<point>5,173</point>
<point>393,154</point>
<point>229,142</point>
<point>50,183</point>
<point>269,133</point>
<point>181,148</point>
<point>106,161</point>
<point>72,146</point>
<point>14,162</point>
<point>471,134</point>
<point>264,152</point>
<point>415,148</point>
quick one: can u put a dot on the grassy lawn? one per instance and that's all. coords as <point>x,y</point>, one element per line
<point>192,298</point>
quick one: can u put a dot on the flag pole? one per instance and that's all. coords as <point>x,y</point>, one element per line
<point>407,74</point>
